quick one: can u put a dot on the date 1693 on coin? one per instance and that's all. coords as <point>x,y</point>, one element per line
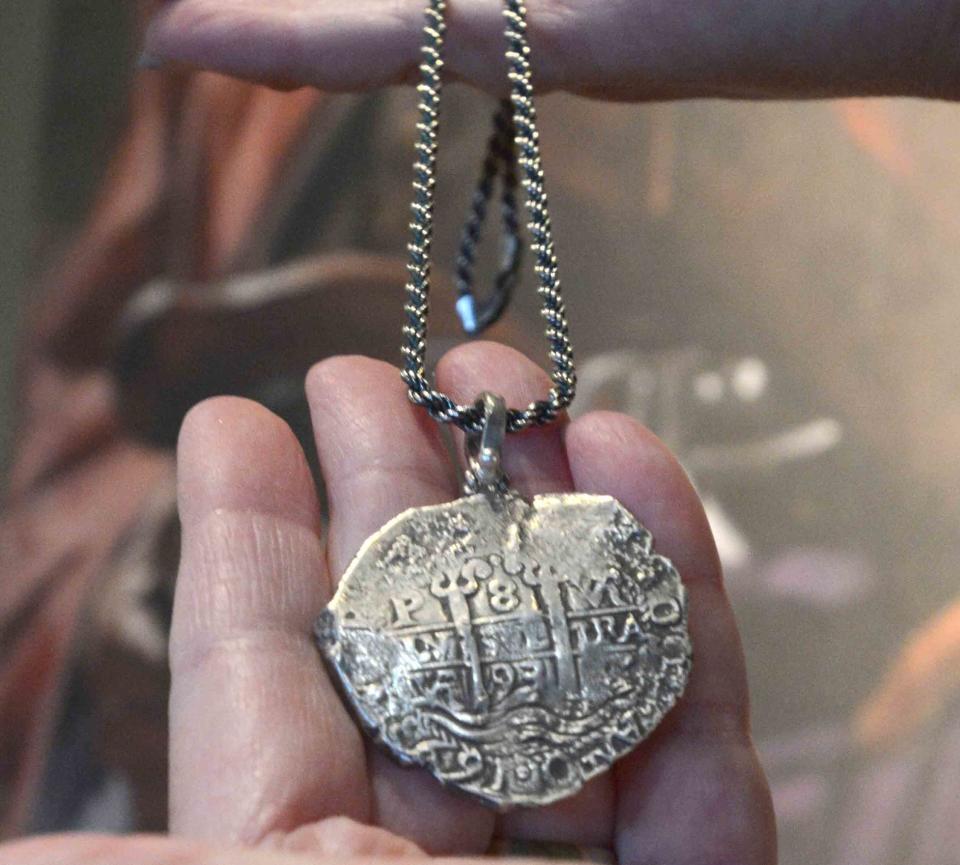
<point>514,649</point>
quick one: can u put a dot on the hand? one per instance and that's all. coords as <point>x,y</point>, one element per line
<point>615,49</point>
<point>263,752</point>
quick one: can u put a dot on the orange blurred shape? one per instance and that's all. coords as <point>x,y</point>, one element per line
<point>921,682</point>
<point>871,125</point>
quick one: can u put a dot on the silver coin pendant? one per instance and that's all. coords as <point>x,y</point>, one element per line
<point>513,648</point>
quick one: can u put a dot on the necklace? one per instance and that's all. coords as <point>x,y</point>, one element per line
<point>513,648</point>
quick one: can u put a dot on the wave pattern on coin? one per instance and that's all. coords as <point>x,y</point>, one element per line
<point>515,649</point>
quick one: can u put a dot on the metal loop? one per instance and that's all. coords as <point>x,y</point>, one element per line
<point>483,449</point>
<point>524,144</point>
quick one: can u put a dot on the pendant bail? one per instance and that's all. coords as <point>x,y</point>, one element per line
<point>483,449</point>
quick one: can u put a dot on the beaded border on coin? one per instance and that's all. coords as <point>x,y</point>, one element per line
<point>513,648</point>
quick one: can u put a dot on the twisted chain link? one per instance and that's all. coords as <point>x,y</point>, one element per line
<point>501,160</point>
<point>526,140</point>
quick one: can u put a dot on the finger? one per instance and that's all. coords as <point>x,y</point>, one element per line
<point>330,841</point>
<point>379,455</point>
<point>259,740</point>
<point>91,849</point>
<point>535,463</point>
<point>78,848</point>
<point>84,848</point>
<point>694,791</point>
<point>344,838</point>
<point>626,51</point>
<point>341,47</point>
<point>309,43</point>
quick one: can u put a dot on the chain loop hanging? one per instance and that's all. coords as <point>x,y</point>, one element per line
<point>526,144</point>
<point>476,316</point>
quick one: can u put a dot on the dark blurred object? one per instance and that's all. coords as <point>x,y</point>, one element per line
<point>253,334</point>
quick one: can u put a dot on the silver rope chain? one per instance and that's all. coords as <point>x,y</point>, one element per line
<point>470,418</point>
<point>500,162</point>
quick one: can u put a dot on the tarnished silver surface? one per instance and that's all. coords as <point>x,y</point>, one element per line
<point>515,649</point>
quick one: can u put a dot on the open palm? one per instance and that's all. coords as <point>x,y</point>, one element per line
<point>263,752</point>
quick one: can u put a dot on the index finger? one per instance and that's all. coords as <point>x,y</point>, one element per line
<point>347,47</point>
<point>259,740</point>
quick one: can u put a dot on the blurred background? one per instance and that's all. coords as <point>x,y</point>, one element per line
<point>773,288</point>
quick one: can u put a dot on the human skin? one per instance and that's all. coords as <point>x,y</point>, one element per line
<point>613,49</point>
<point>267,767</point>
